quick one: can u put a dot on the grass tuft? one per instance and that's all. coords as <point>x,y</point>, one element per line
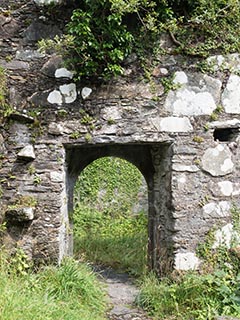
<point>70,291</point>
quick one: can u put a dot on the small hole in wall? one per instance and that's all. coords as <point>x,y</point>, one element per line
<point>225,134</point>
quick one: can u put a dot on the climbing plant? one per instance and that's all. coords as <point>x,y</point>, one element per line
<point>102,33</point>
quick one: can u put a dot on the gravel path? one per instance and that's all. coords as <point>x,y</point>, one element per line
<point>122,293</point>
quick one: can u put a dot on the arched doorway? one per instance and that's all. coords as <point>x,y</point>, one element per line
<point>154,163</point>
<point>111,215</point>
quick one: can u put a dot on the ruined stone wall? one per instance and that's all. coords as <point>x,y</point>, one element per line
<point>185,141</point>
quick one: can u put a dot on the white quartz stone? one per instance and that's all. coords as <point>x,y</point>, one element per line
<point>55,97</point>
<point>27,153</point>
<point>85,93</point>
<point>217,161</point>
<point>231,95</point>
<point>180,77</point>
<point>185,101</point>
<point>186,261</point>
<point>69,92</point>
<point>226,188</point>
<point>56,176</point>
<point>184,168</point>
<point>214,209</point>
<point>175,124</point>
<point>197,95</point>
<point>63,73</point>
<point>164,71</point>
<point>28,213</point>
<point>232,123</point>
<point>47,2</point>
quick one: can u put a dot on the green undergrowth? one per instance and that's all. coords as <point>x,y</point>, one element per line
<point>212,291</point>
<point>118,242</point>
<point>106,230</point>
<point>191,296</point>
<point>69,291</point>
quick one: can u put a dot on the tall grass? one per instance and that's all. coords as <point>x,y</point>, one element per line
<point>118,242</point>
<point>106,231</point>
<point>192,296</point>
<point>70,292</point>
<point>204,295</point>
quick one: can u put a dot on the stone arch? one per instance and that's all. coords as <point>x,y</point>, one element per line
<point>154,162</point>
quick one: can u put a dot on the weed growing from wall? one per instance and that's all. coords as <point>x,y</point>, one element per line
<point>5,108</point>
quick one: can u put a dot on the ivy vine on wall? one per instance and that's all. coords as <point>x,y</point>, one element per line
<point>102,33</point>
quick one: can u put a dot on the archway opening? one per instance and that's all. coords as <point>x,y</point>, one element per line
<point>154,161</point>
<point>110,217</point>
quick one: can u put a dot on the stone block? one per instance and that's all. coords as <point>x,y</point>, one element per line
<point>186,261</point>
<point>63,73</point>
<point>217,210</point>
<point>47,2</point>
<point>27,153</point>
<point>231,95</point>
<point>68,92</point>
<point>175,124</point>
<point>218,161</point>
<point>197,95</point>
<point>55,97</point>
<point>86,92</point>
<point>21,214</point>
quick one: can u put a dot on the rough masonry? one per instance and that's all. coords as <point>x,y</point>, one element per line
<point>185,141</point>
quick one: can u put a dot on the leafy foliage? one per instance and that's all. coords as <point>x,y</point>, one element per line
<point>102,33</point>
<point>109,185</point>
<point>211,292</point>
<point>192,296</point>
<point>101,41</point>
<point>209,26</point>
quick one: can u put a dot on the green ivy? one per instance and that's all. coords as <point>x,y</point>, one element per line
<point>100,40</point>
<point>110,185</point>
<point>102,33</point>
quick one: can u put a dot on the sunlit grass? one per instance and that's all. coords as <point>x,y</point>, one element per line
<point>70,291</point>
<point>118,242</point>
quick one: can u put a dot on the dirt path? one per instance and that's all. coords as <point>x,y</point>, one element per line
<point>122,293</point>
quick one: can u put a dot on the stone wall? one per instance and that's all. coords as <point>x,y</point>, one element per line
<point>185,141</point>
